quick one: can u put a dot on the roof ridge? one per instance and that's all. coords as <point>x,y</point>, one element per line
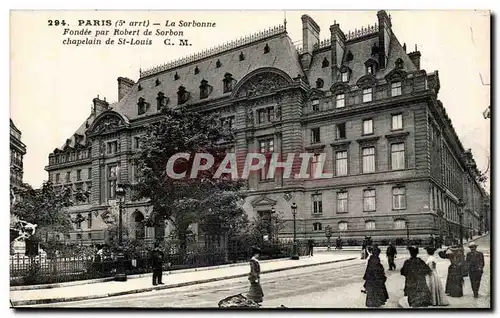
<point>271,31</point>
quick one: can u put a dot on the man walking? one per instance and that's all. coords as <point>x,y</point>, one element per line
<point>391,254</point>
<point>475,265</point>
<point>156,261</point>
<point>310,245</point>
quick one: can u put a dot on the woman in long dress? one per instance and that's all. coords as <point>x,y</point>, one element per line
<point>454,280</point>
<point>376,292</point>
<point>255,293</point>
<point>415,271</point>
<point>438,297</point>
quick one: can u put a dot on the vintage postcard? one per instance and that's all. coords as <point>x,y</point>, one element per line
<point>272,159</point>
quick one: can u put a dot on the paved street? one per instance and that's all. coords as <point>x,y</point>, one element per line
<point>326,286</point>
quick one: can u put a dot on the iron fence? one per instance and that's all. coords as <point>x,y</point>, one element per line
<point>42,269</point>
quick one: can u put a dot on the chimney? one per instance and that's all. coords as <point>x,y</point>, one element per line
<point>310,39</point>
<point>337,39</point>
<point>124,87</point>
<point>99,105</point>
<point>384,37</point>
<point>415,58</point>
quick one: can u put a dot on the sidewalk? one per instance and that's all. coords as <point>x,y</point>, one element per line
<point>176,279</point>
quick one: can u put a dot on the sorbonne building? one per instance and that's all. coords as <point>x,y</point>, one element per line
<point>17,152</point>
<point>357,97</point>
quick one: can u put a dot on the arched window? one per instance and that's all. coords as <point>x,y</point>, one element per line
<point>139,230</point>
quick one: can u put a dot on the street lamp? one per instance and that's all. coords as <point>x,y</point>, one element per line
<point>120,270</point>
<point>461,205</point>
<point>294,213</point>
<point>270,230</point>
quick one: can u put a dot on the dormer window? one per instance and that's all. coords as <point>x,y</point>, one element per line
<point>344,76</point>
<point>142,106</point>
<point>176,76</point>
<point>161,101</point>
<point>370,69</point>
<point>228,82</point>
<point>182,95</point>
<point>218,64</point>
<point>349,56</point>
<point>242,56</point>
<point>139,88</point>
<point>157,82</point>
<point>204,89</point>
<point>320,83</point>
<point>266,49</point>
<point>340,100</point>
<point>315,105</point>
<point>325,63</point>
<point>196,70</point>
<point>395,88</point>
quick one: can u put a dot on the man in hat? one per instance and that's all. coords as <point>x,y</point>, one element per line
<point>156,260</point>
<point>391,254</point>
<point>475,265</point>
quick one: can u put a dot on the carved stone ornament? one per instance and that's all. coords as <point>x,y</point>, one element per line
<point>250,119</point>
<point>108,123</point>
<point>277,112</point>
<point>366,81</point>
<point>262,84</point>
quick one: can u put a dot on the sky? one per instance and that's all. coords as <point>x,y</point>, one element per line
<point>52,85</point>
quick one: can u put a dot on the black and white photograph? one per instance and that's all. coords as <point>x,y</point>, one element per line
<point>279,159</point>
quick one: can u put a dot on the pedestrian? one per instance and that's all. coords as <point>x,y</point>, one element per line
<point>310,245</point>
<point>363,249</point>
<point>338,243</point>
<point>376,292</point>
<point>438,296</point>
<point>391,254</point>
<point>475,265</point>
<point>454,279</point>
<point>415,271</point>
<point>156,260</point>
<point>255,293</point>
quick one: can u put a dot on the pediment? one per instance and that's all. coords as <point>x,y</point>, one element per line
<point>263,201</point>
<point>366,81</point>
<point>396,75</point>
<point>339,87</point>
<point>315,93</point>
<point>261,81</point>
<point>107,122</point>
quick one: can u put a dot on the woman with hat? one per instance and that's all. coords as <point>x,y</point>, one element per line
<point>415,271</point>
<point>376,292</point>
<point>455,278</point>
<point>255,293</point>
<point>438,296</point>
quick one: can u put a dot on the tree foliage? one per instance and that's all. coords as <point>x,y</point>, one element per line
<point>188,200</point>
<point>46,207</point>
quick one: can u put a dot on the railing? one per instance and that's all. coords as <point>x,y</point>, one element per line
<point>45,269</point>
<point>361,32</point>
<point>215,50</point>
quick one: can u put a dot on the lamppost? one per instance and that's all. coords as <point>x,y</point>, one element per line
<point>270,230</point>
<point>294,213</point>
<point>407,223</point>
<point>120,270</point>
<point>461,205</point>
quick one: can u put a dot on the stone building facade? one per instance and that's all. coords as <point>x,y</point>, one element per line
<point>357,101</point>
<point>17,152</point>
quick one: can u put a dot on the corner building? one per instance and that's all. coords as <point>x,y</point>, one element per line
<point>17,152</point>
<point>358,97</point>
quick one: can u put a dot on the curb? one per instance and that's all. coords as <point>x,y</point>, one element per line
<point>110,279</point>
<point>147,289</point>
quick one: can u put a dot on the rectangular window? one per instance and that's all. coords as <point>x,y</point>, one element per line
<point>399,224</point>
<point>344,76</point>
<point>89,220</point>
<point>89,173</point>
<point>342,226</point>
<point>266,115</point>
<point>112,182</point>
<point>68,176</point>
<point>341,202</point>
<point>398,156</point>
<point>58,177</point>
<point>396,89</point>
<point>315,135</point>
<point>399,198</point>
<point>397,122</point>
<point>369,203</point>
<point>315,105</point>
<point>340,100</point>
<point>78,175</point>
<point>317,204</point>
<point>369,69</point>
<point>367,126</point>
<point>137,142</point>
<point>341,134</point>
<point>315,163</point>
<point>266,145</point>
<point>112,147</point>
<point>341,163</point>
<point>317,226</point>
<point>89,190</point>
<point>367,95</point>
<point>370,225</point>
<point>368,159</point>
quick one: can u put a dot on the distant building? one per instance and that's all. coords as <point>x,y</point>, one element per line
<point>17,151</point>
<point>359,97</point>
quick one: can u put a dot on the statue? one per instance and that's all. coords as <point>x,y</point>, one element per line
<point>250,119</point>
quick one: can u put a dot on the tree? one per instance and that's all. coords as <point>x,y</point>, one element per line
<point>46,208</point>
<point>183,201</point>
